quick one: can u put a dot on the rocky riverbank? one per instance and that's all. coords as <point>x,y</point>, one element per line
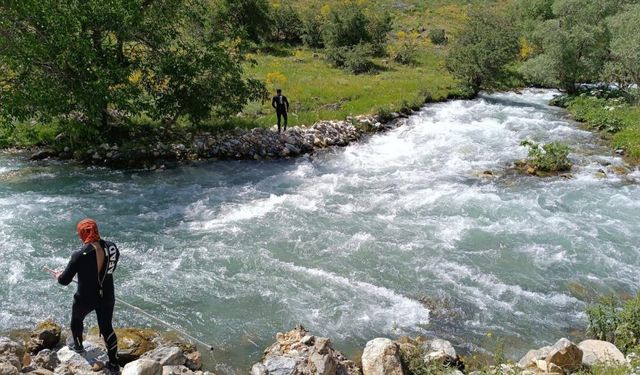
<point>43,351</point>
<point>297,352</point>
<point>237,144</point>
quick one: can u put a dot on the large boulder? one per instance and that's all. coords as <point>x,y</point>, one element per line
<point>45,336</point>
<point>142,367</point>
<point>298,352</point>
<point>564,354</point>
<point>11,352</point>
<point>166,356</point>
<point>596,351</point>
<point>381,356</point>
<point>530,359</point>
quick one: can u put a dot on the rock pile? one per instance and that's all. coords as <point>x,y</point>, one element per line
<point>297,352</point>
<point>141,351</point>
<point>253,144</point>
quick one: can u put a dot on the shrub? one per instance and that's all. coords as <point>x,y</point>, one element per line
<point>355,59</point>
<point>378,28</point>
<point>352,37</point>
<point>615,322</point>
<point>286,24</point>
<point>311,29</point>
<point>406,48</point>
<point>438,36</point>
<point>551,157</point>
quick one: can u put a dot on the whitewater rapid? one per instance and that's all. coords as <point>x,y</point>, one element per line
<point>353,243</point>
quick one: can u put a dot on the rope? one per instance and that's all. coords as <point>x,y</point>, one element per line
<point>166,324</point>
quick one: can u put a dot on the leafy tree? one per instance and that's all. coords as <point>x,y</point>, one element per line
<point>352,37</point>
<point>287,26</point>
<point>91,59</point>
<point>347,26</point>
<point>248,19</point>
<point>623,67</point>
<point>312,24</point>
<point>486,45</point>
<point>573,44</point>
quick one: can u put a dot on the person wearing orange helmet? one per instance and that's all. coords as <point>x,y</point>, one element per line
<point>94,265</point>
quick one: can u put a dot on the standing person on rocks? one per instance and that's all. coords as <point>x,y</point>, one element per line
<point>281,105</point>
<point>94,264</point>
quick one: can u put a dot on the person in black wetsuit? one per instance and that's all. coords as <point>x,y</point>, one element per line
<point>94,264</point>
<point>281,105</point>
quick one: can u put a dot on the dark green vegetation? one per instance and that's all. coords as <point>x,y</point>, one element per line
<point>616,321</point>
<point>551,157</point>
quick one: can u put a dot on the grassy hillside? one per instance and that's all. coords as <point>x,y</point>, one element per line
<point>317,91</point>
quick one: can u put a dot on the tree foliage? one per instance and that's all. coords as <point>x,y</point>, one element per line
<point>623,66</point>
<point>247,19</point>
<point>92,58</point>
<point>483,49</point>
<point>353,37</point>
<point>572,38</point>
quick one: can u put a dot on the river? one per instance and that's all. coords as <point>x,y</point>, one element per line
<point>352,243</point>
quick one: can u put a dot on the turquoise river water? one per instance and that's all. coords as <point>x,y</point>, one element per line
<point>397,235</point>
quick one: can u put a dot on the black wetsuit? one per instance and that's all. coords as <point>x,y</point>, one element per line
<point>281,104</point>
<point>95,293</point>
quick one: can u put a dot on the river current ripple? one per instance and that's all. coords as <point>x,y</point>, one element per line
<point>399,234</point>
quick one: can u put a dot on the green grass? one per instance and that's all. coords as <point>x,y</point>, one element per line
<point>613,117</point>
<point>317,91</point>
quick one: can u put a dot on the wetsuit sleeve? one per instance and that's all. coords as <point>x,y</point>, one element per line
<point>70,271</point>
<point>286,102</point>
<point>273,102</point>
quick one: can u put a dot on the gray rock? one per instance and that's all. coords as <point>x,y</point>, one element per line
<point>280,365</point>
<point>45,359</point>
<point>565,355</point>
<point>596,351</point>
<point>381,356</point>
<point>529,359</point>
<point>258,369</point>
<point>176,370</point>
<point>142,366</point>
<point>439,350</point>
<point>11,352</point>
<point>8,369</point>
<point>166,356</point>
<point>40,371</point>
<point>42,154</point>
<point>324,363</point>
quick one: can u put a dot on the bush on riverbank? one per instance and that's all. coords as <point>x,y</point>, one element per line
<point>617,322</point>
